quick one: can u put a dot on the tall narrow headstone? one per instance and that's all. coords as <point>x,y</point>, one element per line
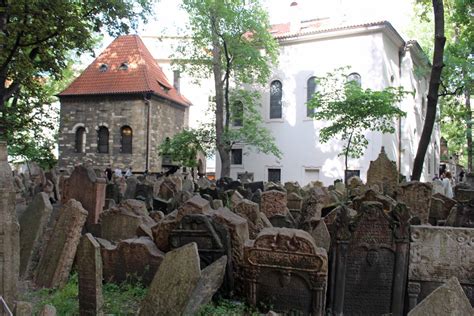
<point>33,223</point>
<point>9,232</point>
<point>58,256</point>
<point>89,264</point>
<point>417,196</point>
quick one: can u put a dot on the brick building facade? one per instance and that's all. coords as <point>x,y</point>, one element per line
<point>119,110</point>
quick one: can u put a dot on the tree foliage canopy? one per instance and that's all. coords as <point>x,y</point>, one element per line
<point>352,110</point>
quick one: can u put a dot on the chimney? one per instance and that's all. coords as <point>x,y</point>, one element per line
<point>295,17</point>
<point>176,77</point>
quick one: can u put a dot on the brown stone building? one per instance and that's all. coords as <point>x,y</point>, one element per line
<point>119,110</point>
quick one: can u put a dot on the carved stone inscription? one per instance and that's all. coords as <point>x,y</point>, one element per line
<point>438,253</point>
<point>284,292</point>
<point>370,265</point>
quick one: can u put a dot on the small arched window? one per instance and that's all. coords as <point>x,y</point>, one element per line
<point>80,139</point>
<point>103,140</point>
<point>276,93</point>
<point>237,113</point>
<point>126,137</point>
<point>355,77</point>
<point>310,90</point>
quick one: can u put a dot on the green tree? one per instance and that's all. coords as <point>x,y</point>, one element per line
<point>230,39</point>
<point>351,111</point>
<point>38,39</point>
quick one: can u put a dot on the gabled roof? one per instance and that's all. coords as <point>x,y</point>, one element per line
<point>124,67</point>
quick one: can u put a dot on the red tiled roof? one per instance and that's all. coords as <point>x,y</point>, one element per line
<point>143,74</point>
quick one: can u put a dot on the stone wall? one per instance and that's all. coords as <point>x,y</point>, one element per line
<point>114,112</point>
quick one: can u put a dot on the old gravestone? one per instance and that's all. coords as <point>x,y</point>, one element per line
<point>89,266</point>
<point>212,239</point>
<point>84,186</point>
<point>463,192</point>
<point>173,283</point>
<point>417,196</point>
<point>256,220</point>
<point>56,260</point>
<point>273,203</point>
<point>136,258</point>
<point>437,254</point>
<point>285,270</point>
<point>383,174</point>
<point>370,258</point>
<point>33,223</point>
<point>440,209</point>
<point>462,215</point>
<point>9,232</point>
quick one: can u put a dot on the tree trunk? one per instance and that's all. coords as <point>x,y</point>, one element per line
<point>467,94</point>
<point>222,147</point>
<point>436,69</point>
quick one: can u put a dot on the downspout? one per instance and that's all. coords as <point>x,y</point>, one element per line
<point>401,52</point>
<point>148,118</point>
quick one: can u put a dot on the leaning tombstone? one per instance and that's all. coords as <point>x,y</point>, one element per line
<point>33,224</point>
<point>89,266</point>
<point>285,270</point>
<point>448,299</point>
<point>57,259</point>
<point>417,196</point>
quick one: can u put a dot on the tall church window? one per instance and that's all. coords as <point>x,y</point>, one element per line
<point>310,90</point>
<point>103,140</point>
<point>126,136</point>
<point>276,93</point>
<point>80,139</point>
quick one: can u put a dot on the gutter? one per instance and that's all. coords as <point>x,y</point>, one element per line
<point>148,118</point>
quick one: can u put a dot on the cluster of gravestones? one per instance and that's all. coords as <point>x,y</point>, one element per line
<point>370,248</point>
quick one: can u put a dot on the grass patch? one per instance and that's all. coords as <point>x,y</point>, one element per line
<point>226,307</point>
<point>123,299</point>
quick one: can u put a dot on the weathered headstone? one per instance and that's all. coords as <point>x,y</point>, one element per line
<point>462,215</point>
<point>373,196</point>
<point>48,310</point>
<point>448,299</point>
<point>370,258</point>
<point>295,201</point>
<point>383,173</point>
<point>33,224</point>
<point>440,208</point>
<point>284,269</point>
<point>273,203</point>
<point>439,253</point>
<point>9,232</point>
<point>22,308</point>
<point>417,196</point>
<point>250,211</point>
<point>321,235</point>
<point>463,192</point>
<point>89,266</point>
<point>84,186</point>
<point>56,260</point>
<point>173,283</point>
<point>136,258</point>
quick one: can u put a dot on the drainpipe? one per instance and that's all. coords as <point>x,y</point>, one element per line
<point>401,52</point>
<point>148,118</point>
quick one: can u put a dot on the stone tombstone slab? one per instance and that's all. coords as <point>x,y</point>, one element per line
<point>58,256</point>
<point>167,189</point>
<point>131,187</point>
<point>470,179</point>
<point>250,211</point>
<point>439,253</point>
<point>144,192</point>
<point>463,192</point>
<point>121,222</point>
<point>462,215</point>
<point>295,201</point>
<point>273,203</point>
<point>383,173</point>
<point>448,299</point>
<point>89,266</point>
<point>254,186</point>
<point>22,308</point>
<point>212,239</point>
<point>33,223</point>
<point>417,196</point>
<point>85,187</point>
<point>440,209</point>
<point>173,283</point>
<point>112,191</point>
<point>9,232</point>
<point>373,196</point>
<point>293,187</point>
<point>284,269</point>
<point>135,258</point>
<point>371,251</point>
<point>321,236</point>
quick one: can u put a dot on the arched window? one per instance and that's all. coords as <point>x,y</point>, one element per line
<point>238,112</point>
<point>126,139</point>
<point>80,139</point>
<point>103,140</point>
<point>310,90</point>
<point>276,93</point>
<point>354,77</point>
